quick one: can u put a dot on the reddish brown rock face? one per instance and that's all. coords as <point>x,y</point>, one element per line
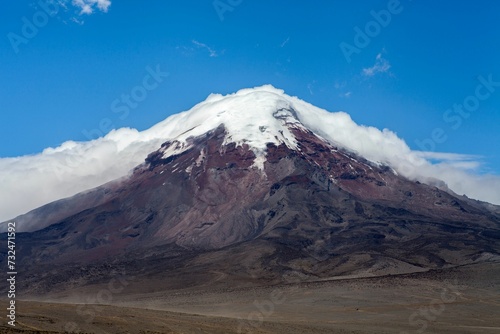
<point>317,210</point>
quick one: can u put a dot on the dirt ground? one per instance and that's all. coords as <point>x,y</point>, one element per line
<point>462,300</point>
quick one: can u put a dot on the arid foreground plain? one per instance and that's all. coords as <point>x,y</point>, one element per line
<point>459,300</point>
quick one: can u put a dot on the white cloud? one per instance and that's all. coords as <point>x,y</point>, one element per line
<point>88,6</point>
<point>340,85</point>
<point>458,161</point>
<point>77,21</point>
<point>310,87</point>
<point>384,146</point>
<point>285,42</point>
<point>467,161</point>
<point>381,66</point>
<point>211,51</point>
<point>28,182</point>
<point>447,156</point>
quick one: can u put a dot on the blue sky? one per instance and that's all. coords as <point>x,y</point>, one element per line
<point>60,84</point>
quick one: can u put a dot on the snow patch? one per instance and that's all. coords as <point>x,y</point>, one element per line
<point>200,158</point>
<point>175,148</point>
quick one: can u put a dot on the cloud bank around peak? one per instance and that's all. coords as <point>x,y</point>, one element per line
<point>28,182</point>
<point>459,172</point>
<point>31,181</point>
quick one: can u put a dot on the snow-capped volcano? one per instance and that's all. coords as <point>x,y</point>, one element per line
<point>253,117</point>
<point>253,185</point>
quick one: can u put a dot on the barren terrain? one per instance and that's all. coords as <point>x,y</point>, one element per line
<point>459,300</point>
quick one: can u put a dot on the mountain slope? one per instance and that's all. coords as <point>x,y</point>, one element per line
<point>251,198</point>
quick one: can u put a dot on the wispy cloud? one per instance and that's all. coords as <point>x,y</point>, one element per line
<point>448,156</point>
<point>212,52</point>
<point>342,87</point>
<point>459,161</point>
<point>285,42</point>
<point>89,6</point>
<point>77,21</point>
<point>381,66</point>
<point>310,87</point>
